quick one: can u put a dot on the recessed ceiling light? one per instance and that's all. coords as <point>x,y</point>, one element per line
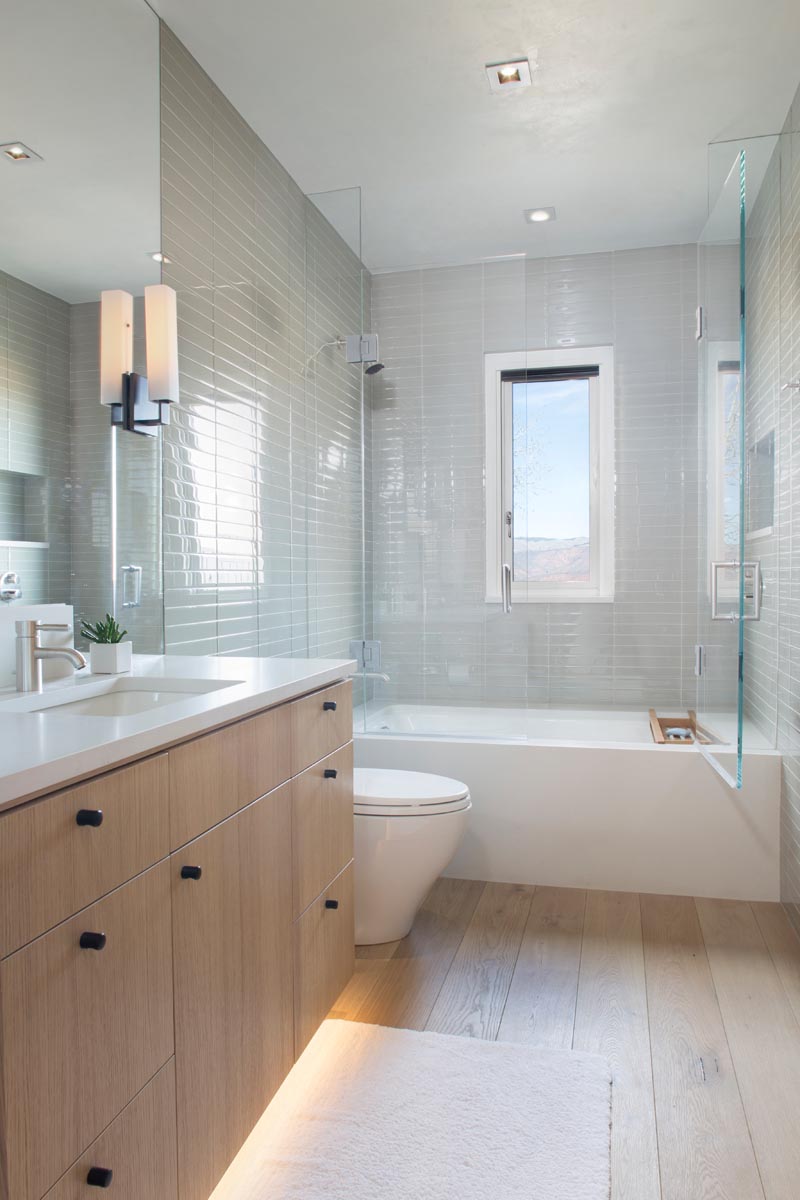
<point>18,152</point>
<point>159,256</point>
<point>535,215</point>
<point>508,76</point>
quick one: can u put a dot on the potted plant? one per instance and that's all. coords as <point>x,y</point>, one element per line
<point>108,654</point>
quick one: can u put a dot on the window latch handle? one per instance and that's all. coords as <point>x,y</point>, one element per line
<point>507,577</point>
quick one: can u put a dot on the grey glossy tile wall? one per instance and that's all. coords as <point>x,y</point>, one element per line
<point>263,470</point>
<point>441,641</point>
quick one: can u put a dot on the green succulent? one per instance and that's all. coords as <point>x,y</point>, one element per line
<point>103,633</point>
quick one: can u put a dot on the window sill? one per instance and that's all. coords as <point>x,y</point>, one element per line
<point>553,598</point>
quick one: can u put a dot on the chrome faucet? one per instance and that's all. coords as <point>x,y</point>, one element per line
<point>30,654</point>
<point>372,675</point>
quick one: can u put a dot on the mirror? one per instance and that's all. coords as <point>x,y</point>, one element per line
<point>79,213</point>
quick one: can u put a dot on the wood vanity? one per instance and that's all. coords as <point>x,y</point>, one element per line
<point>172,932</point>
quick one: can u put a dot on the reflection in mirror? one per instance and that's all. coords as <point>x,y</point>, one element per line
<point>80,214</point>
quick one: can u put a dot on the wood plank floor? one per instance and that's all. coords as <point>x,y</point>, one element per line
<point>696,1005</point>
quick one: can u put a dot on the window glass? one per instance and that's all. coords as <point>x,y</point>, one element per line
<point>551,481</point>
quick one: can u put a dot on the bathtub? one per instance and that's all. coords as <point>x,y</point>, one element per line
<point>583,798</point>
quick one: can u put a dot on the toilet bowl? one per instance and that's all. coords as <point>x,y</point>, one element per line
<point>407,828</point>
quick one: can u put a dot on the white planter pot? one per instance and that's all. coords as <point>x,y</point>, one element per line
<point>110,659</point>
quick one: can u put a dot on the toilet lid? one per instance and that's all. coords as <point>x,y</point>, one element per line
<point>400,792</point>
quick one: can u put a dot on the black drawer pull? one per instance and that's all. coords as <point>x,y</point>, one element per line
<point>330,773</point>
<point>329,706</point>
<point>331,903</point>
<point>89,816</point>
<point>191,872</point>
<point>92,941</point>
<point>100,1177</point>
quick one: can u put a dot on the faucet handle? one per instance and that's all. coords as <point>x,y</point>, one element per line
<point>32,629</point>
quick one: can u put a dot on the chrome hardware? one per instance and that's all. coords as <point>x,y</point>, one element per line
<point>367,655</point>
<point>699,657</point>
<point>753,587</point>
<point>131,586</point>
<point>10,587</point>
<point>794,386</point>
<point>30,654</point>
<point>509,521</point>
<point>507,579</point>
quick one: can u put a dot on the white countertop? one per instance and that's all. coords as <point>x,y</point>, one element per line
<point>42,751</point>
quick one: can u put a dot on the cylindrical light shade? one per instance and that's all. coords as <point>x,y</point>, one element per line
<point>116,343</point>
<point>161,332</point>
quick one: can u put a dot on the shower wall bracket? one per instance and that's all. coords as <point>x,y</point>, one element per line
<point>361,347</point>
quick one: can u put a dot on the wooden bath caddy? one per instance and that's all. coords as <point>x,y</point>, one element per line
<point>659,726</point>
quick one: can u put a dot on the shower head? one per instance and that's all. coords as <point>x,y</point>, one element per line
<point>373,368</point>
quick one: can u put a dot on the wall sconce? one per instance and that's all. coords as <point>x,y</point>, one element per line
<point>139,404</point>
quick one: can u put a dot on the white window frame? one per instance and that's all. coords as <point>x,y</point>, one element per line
<point>600,586</point>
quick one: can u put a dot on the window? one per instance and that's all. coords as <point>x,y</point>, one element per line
<point>550,474</point>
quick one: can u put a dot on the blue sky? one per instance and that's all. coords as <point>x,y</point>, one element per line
<point>551,419</point>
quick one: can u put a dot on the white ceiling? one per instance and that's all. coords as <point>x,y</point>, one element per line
<point>626,96</point>
<point>79,85</point>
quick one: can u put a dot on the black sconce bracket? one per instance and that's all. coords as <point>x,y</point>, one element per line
<point>138,413</point>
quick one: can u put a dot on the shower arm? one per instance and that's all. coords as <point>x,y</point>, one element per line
<point>337,341</point>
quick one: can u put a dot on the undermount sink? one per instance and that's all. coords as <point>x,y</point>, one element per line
<point>120,697</point>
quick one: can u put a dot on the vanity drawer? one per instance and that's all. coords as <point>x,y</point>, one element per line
<point>321,723</point>
<point>214,776</point>
<point>322,825</point>
<point>51,866</point>
<point>139,1148</point>
<point>83,1029</point>
<point>324,956</point>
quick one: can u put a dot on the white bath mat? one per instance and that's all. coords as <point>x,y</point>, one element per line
<point>388,1114</point>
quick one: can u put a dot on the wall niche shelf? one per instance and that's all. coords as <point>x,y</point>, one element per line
<point>23,510</point>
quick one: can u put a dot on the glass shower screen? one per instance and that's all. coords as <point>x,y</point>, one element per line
<point>729,577</point>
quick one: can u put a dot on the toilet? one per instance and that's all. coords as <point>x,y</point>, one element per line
<point>408,825</point>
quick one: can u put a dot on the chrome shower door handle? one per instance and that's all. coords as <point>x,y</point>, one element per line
<point>507,579</point>
<point>131,586</point>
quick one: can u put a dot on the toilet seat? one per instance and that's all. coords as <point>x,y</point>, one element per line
<point>387,793</point>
